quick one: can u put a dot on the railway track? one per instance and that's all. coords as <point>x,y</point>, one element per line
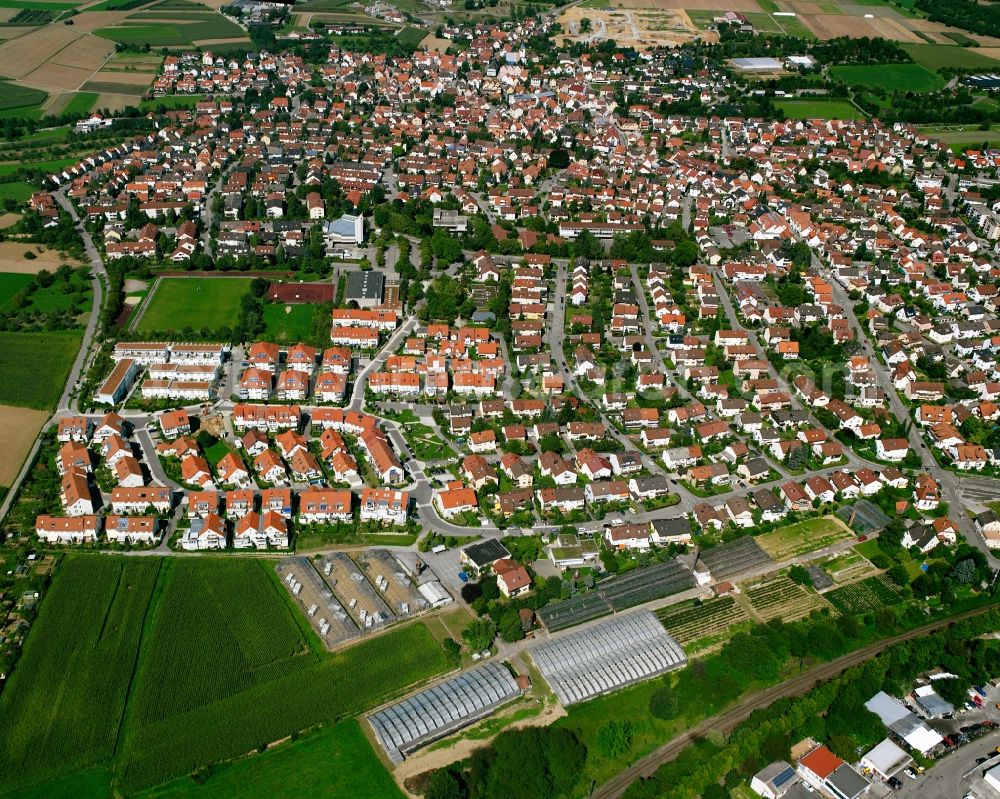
<point>726,721</point>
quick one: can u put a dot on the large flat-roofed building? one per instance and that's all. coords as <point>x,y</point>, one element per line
<point>365,288</point>
<point>348,230</point>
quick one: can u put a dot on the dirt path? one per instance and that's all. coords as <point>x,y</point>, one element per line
<point>432,759</point>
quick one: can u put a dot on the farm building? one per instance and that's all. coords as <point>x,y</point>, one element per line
<point>442,709</point>
<point>610,655</point>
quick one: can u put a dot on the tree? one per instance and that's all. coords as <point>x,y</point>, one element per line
<point>585,25</point>
<point>664,704</point>
<point>614,738</point>
<point>558,158</point>
<point>443,784</point>
<point>799,574</point>
<point>479,634</point>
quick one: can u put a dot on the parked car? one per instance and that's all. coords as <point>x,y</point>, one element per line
<point>895,783</point>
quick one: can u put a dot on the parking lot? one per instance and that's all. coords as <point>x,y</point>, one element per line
<point>957,774</point>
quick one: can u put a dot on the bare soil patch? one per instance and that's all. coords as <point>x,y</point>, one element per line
<point>56,77</point>
<point>831,26</point>
<point>12,258</point>
<point>87,52</point>
<point>432,42</point>
<point>115,102</point>
<point>7,14</point>
<point>140,79</point>
<point>27,53</point>
<point>19,428</point>
<point>989,52</point>
<point>6,220</point>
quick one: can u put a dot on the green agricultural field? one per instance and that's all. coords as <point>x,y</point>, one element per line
<point>819,109</point>
<point>81,103</point>
<point>211,302</point>
<point>291,327</point>
<point>27,384</point>
<point>14,96</point>
<point>894,77</point>
<point>334,761</point>
<point>36,5</point>
<point>961,137</point>
<point>939,56</point>
<point>229,668</point>
<point>63,705</point>
<point>411,37</point>
<point>145,671</point>
<point>153,35</point>
<point>806,536</point>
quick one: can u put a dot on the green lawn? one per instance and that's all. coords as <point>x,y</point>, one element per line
<point>819,109</point>
<point>35,367</point>
<point>144,671</point>
<point>938,56</point>
<point>894,77</point>
<point>19,191</point>
<point>198,302</point>
<point>10,285</point>
<point>174,101</point>
<point>291,327</point>
<point>334,761</point>
<point>960,137</point>
<point>49,165</point>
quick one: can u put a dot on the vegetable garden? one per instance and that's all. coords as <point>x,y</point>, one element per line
<point>689,622</point>
<point>780,597</point>
<point>864,596</point>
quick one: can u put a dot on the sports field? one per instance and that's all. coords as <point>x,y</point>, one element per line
<point>35,367</point>
<point>894,77</point>
<point>819,109</point>
<point>807,536</point>
<point>198,302</point>
<point>224,666</point>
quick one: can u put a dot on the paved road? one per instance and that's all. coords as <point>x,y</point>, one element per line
<point>68,402</point>
<point>948,481</point>
<point>957,774</point>
<point>726,721</point>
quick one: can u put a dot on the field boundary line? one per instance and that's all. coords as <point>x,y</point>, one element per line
<point>144,305</point>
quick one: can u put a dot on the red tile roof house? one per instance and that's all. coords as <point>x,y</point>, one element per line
<point>323,505</point>
<point>512,578</point>
<point>453,501</point>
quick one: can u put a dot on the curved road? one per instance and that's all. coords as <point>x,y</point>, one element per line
<point>727,720</point>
